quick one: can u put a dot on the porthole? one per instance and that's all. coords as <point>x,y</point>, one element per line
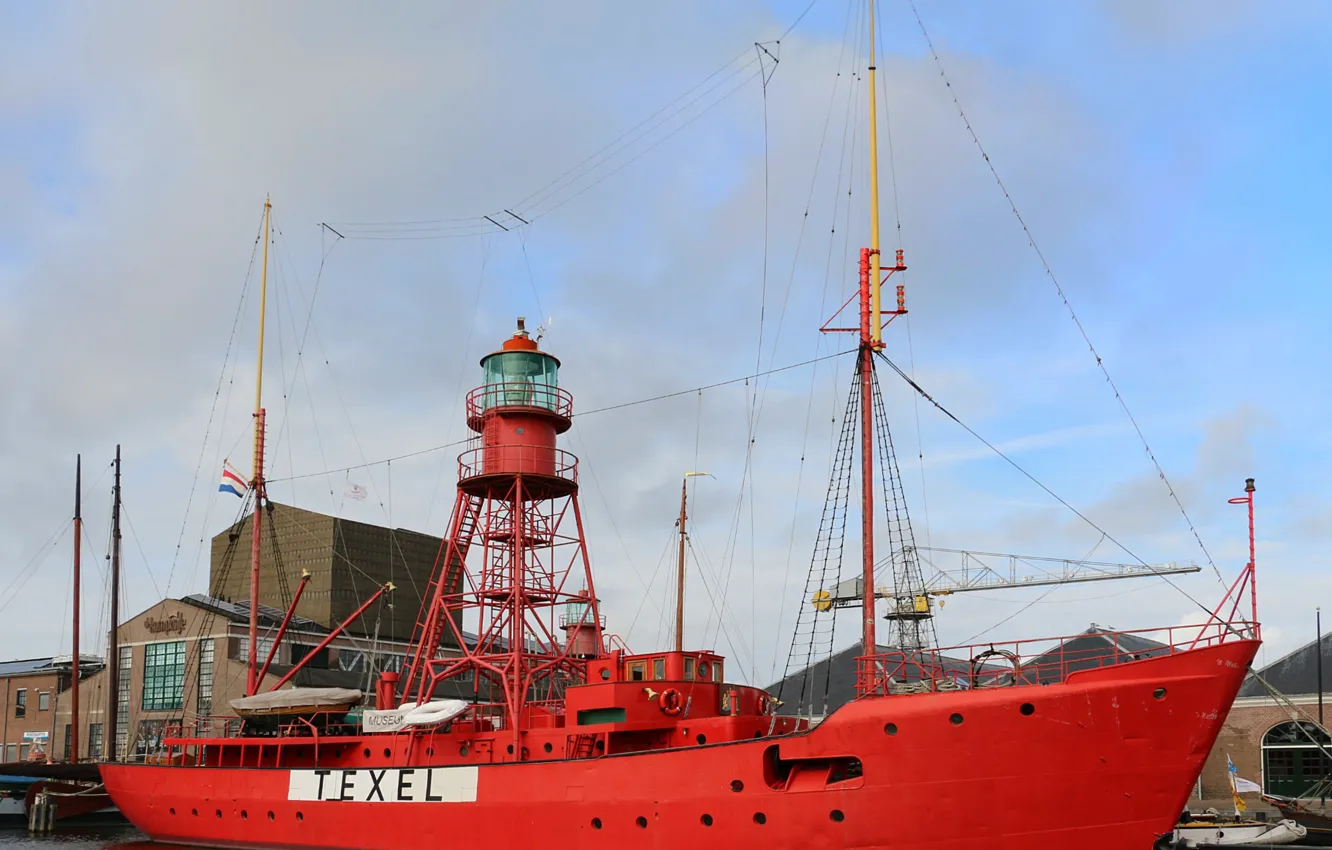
<point>245,815</point>
<point>388,753</point>
<point>737,786</point>
<point>462,751</point>
<point>366,752</point>
<point>702,739</point>
<point>836,816</point>
<point>547,747</point>
<point>605,674</point>
<point>1027,709</point>
<point>760,818</point>
<point>510,749</point>
<point>172,810</point>
<point>270,816</point>
<point>596,823</point>
<point>706,820</point>
<point>430,751</point>
<point>890,728</point>
<point>601,745</point>
<point>219,814</point>
<point>194,812</point>
<point>300,816</point>
<point>641,821</point>
<point>1159,693</point>
<point>956,720</point>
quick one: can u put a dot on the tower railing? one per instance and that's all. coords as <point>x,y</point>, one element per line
<point>519,394</point>
<point>532,460</point>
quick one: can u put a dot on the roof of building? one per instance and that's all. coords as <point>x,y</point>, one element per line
<point>1294,673</point>
<point>1096,647</point>
<point>803,692</point>
<point>24,666</point>
<point>239,612</point>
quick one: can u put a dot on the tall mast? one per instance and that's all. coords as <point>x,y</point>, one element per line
<point>74,673</point>
<point>113,642</point>
<point>257,479</point>
<point>679,575</point>
<point>876,324</point>
<point>870,341</point>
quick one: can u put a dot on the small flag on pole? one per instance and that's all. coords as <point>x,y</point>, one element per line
<point>231,481</point>
<point>356,491</point>
<point>1237,785</point>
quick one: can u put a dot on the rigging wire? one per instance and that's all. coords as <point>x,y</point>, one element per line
<point>992,447</point>
<point>1059,289</point>
<point>212,410</point>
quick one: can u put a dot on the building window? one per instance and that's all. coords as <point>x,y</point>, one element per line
<point>43,700</point>
<point>94,740</point>
<point>1293,765</point>
<point>21,702</point>
<point>299,651</point>
<point>123,685</point>
<point>11,752</point>
<point>122,742</point>
<point>69,742</point>
<point>163,675</point>
<point>24,749</point>
<point>265,647</point>
<point>205,677</point>
<point>351,661</point>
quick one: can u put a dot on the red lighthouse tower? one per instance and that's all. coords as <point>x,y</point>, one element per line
<point>514,556</point>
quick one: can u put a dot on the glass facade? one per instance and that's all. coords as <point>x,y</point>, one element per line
<point>94,740</point>
<point>163,675</point>
<point>206,649</point>
<point>123,687</point>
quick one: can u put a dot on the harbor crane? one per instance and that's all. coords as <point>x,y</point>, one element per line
<point>962,570</point>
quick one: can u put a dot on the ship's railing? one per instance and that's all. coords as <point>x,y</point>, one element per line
<point>519,394</point>
<point>1040,661</point>
<point>532,460</point>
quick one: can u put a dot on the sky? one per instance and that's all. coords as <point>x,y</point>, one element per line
<point>678,208</point>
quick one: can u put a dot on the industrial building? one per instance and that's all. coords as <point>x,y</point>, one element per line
<point>347,561</point>
<point>29,691</point>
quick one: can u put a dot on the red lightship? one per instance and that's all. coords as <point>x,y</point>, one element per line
<point>573,740</point>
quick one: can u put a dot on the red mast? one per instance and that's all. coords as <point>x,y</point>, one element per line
<point>517,511</point>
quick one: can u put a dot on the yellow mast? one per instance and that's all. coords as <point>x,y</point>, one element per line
<point>257,482</point>
<point>876,323</point>
<point>263,299</point>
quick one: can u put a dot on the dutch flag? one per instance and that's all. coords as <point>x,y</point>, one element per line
<point>232,482</point>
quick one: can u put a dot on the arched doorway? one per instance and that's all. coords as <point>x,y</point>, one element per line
<point>1292,762</point>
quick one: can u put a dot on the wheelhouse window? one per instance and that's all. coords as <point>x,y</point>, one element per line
<point>689,668</point>
<point>163,675</point>
<point>636,671</point>
<point>659,668</point>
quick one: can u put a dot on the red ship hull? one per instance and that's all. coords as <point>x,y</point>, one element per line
<point>999,768</point>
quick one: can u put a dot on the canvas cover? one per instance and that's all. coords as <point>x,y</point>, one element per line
<point>278,702</point>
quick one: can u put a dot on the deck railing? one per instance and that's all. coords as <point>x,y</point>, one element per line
<point>1041,661</point>
<point>519,394</point>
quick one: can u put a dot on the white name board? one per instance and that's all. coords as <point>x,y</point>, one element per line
<point>36,736</point>
<point>385,785</point>
<point>383,721</point>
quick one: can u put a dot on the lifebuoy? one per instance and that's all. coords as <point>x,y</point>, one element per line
<point>763,703</point>
<point>670,702</point>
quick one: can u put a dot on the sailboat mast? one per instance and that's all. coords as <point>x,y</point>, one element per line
<point>870,341</point>
<point>113,642</point>
<point>257,479</point>
<point>74,673</point>
<point>680,569</point>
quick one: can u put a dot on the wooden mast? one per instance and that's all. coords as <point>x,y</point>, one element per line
<point>257,478</point>
<point>679,575</point>
<point>74,673</point>
<point>113,641</point>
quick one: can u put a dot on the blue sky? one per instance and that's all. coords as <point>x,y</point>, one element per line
<point>1170,159</point>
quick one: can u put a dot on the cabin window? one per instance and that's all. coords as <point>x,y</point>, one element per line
<point>21,702</point>
<point>689,669</point>
<point>659,668</point>
<point>704,671</point>
<point>43,700</point>
<point>636,671</point>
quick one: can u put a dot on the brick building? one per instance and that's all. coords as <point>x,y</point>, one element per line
<point>346,560</point>
<point>29,691</point>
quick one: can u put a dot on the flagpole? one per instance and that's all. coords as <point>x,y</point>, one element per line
<point>1318,620</point>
